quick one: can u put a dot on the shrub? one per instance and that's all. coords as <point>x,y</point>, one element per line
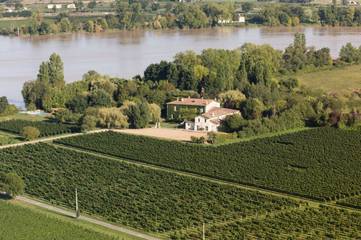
<point>30,133</point>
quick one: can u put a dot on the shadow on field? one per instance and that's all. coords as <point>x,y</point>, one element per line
<point>4,196</point>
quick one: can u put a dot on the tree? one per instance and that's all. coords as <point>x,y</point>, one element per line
<point>139,115</point>
<point>258,64</point>
<point>295,56</point>
<point>155,113</point>
<point>111,118</point>
<point>232,99</point>
<point>12,184</point>
<point>3,104</point>
<point>92,4</point>
<point>350,54</point>
<point>233,123</point>
<point>100,98</point>
<point>77,104</point>
<point>30,133</point>
<point>56,71</point>
<point>79,5</point>
<point>88,122</point>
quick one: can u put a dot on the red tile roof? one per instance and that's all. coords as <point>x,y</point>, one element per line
<point>218,112</point>
<point>192,102</point>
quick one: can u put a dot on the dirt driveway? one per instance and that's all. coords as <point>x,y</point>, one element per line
<point>167,133</point>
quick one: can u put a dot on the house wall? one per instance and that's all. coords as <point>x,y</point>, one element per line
<point>212,105</point>
<point>173,109</point>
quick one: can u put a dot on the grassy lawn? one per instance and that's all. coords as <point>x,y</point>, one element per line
<point>23,116</point>
<point>340,80</point>
<point>6,139</point>
<point>21,221</point>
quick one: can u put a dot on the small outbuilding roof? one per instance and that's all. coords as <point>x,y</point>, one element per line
<point>218,112</point>
<point>192,102</point>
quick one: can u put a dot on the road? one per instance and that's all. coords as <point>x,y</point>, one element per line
<point>48,139</point>
<point>84,218</point>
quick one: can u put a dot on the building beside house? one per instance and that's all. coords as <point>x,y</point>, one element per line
<point>209,113</point>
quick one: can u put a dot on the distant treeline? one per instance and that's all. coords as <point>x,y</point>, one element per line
<point>140,14</point>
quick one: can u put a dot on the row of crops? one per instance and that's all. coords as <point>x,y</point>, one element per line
<point>139,197</point>
<point>322,163</point>
<point>354,202</point>
<point>45,128</point>
<point>18,223</point>
<point>309,223</point>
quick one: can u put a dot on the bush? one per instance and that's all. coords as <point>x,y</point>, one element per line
<point>198,140</point>
<point>12,184</point>
<point>30,133</point>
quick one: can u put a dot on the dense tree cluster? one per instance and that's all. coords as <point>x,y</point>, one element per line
<point>6,108</point>
<point>253,79</point>
<point>293,15</point>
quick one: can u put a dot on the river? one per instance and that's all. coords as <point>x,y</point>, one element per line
<point>126,54</point>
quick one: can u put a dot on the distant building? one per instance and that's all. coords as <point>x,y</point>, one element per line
<point>209,117</point>
<point>239,15</point>
<point>71,6</point>
<point>56,6</point>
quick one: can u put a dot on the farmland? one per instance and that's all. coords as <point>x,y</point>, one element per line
<point>308,223</point>
<point>341,80</point>
<point>45,128</point>
<point>18,222</point>
<point>310,163</point>
<point>143,198</point>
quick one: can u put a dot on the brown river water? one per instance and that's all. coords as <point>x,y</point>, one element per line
<point>126,54</point>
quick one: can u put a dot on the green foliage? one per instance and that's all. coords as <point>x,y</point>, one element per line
<point>131,195</point>
<point>45,128</point>
<point>22,223</point>
<point>30,133</point>
<point>6,108</point>
<point>12,184</point>
<point>308,223</point>
<point>298,163</point>
<point>198,140</point>
<point>139,115</point>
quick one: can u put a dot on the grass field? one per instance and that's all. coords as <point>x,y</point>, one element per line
<point>19,221</point>
<point>6,139</point>
<point>338,80</point>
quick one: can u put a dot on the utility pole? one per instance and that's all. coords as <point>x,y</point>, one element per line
<point>204,232</point>
<point>77,213</point>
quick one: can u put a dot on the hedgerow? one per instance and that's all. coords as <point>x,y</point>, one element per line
<point>308,223</point>
<point>138,197</point>
<point>45,128</point>
<point>322,163</point>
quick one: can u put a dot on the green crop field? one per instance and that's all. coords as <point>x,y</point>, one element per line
<point>45,128</point>
<point>338,80</point>
<point>354,202</point>
<point>18,223</point>
<point>308,223</point>
<point>143,198</point>
<point>322,164</point>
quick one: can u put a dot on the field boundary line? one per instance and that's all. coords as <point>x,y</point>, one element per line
<point>69,213</point>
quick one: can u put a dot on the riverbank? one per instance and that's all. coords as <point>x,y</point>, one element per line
<point>125,54</point>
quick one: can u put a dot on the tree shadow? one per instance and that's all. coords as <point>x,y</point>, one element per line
<point>4,196</point>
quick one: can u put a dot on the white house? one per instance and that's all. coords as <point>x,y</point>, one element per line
<point>56,6</point>
<point>71,6</point>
